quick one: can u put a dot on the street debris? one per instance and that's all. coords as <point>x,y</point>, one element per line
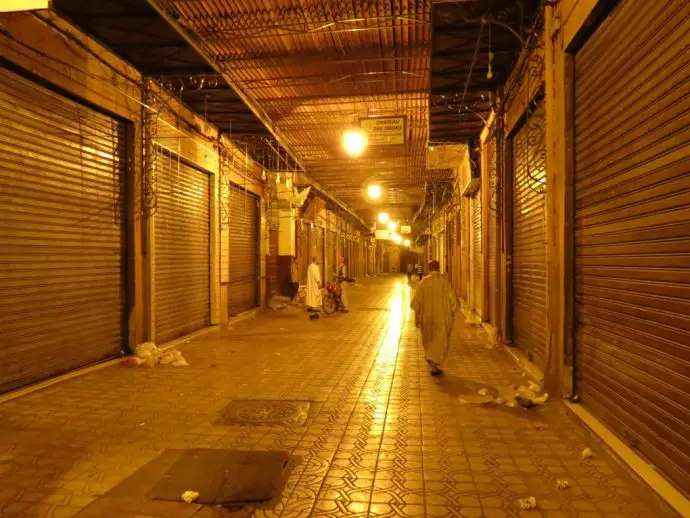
<point>533,387</point>
<point>562,484</point>
<point>482,392</point>
<point>499,401</point>
<point>190,496</point>
<point>529,396</point>
<point>527,503</point>
<point>149,354</point>
<point>277,354</point>
<point>587,453</point>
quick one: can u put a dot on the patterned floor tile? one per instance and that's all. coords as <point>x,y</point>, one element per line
<point>381,438</point>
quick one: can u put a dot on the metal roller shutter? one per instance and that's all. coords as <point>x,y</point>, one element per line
<point>317,248</point>
<point>478,265</point>
<point>331,253</point>
<point>492,237</point>
<point>529,241</point>
<point>182,253</point>
<point>303,253</point>
<point>632,229</point>
<point>243,286</point>
<point>62,233</point>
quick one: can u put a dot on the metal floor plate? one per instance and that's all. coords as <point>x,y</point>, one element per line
<point>264,412</point>
<point>225,477</point>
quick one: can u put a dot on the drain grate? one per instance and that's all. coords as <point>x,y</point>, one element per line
<point>264,412</point>
<point>225,477</point>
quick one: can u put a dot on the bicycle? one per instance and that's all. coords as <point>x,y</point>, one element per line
<point>332,300</point>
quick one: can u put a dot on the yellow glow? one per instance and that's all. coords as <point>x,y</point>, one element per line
<point>392,226</point>
<point>406,242</point>
<point>354,142</point>
<point>374,191</point>
<point>396,238</point>
<point>7,6</point>
<point>383,218</point>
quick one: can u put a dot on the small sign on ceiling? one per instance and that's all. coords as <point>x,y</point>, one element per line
<point>405,229</point>
<point>11,6</point>
<point>384,131</point>
<point>383,234</point>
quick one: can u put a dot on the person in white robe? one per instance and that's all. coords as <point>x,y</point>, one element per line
<point>314,285</point>
<point>434,304</point>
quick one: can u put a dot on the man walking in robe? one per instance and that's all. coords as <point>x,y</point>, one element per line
<point>434,305</point>
<point>314,286</point>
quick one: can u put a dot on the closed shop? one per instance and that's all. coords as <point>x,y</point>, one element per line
<point>243,278</point>
<point>477,261</point>
<point>303,255</point>
<point>331,251</point>
<point>62,233</point>
<point>492,237</point>
<point>182,245</point>
<point>632,230</point>
<point>529,237</point>
<point>317,248</point>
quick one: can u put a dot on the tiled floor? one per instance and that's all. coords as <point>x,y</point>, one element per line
<point>383,438</point>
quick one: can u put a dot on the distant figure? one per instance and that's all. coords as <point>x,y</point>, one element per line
<point>420,271</point>
<point>434,305</point>
<point>409,272</point>
<point>342,279</point>
<point>314,286</point>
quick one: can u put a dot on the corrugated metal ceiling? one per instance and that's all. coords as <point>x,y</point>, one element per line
<point>316,68</point>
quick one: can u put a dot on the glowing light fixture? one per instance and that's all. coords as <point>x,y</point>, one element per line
<point>9,6</point>
<point>406,242</point>
<point>354,142</point>
<point>396,238</point>
<point>392,225</point>
<point>383,218</point>
<point>374,191</point>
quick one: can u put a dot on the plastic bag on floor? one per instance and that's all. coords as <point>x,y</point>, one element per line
<point>527,503</point>
<point>190,496</point>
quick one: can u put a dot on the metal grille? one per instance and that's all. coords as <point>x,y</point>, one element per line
<point>529,248</point>
<point>62,237</point>
<point>632,229</point>
<point>182,253</point>
<point>243,263</point>
<point>477,261</point>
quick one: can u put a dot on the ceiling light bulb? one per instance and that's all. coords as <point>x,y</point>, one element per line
<point>392,226</point>
<point>383,218</point>
<point>374,191</point>
<point>396,238</point>
<point>354,142</point>
<point>407,242</point>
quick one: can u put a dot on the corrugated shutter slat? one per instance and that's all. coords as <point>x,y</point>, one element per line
<point>182,249</point>
<point>529,248</point>
<point>243,285</point>
<point>62,244</point>
<point>632,229</point>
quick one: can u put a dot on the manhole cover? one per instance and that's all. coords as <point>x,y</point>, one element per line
<point>225,477</point>
<point>257,412</point>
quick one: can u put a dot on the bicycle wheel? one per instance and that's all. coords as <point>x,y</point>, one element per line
<point>328,304</point>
